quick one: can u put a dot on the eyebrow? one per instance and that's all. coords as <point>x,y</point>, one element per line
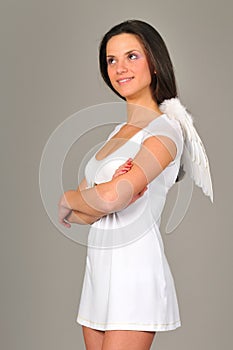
<point>126,53</point>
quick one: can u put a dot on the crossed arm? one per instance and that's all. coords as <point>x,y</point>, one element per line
<point>78,217</point>
<point>85,206</point>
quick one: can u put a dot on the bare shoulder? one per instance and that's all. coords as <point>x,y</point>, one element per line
<point>162,147</point>
<point>154,156</point>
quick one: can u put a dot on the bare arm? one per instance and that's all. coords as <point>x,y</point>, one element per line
<point>154,156</point>
<point>77,217</point>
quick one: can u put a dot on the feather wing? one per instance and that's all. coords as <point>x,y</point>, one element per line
<point>194,159</point>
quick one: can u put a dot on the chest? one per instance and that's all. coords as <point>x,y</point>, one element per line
<point>124,135</point>
<point>98,171</point>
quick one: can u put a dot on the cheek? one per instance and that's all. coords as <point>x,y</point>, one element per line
<point>145,72</point>
<point>110,73</point>
<point>143,68</point>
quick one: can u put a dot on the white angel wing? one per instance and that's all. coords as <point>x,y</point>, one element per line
<point>194,159</point>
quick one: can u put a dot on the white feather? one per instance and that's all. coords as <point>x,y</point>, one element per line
<point>194,159</point>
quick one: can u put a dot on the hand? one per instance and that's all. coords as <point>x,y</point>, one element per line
<point>76,217</point>
<point>124,168</point>
<point>63,213</point>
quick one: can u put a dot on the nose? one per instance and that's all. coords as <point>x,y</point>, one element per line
<point>121,67</point>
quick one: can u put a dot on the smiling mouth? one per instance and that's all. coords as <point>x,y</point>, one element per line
<point>125,80</point>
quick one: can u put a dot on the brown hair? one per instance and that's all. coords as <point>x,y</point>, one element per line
<point>163,84</point>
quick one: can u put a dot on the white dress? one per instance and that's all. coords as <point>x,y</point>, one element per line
<point>127,283</point>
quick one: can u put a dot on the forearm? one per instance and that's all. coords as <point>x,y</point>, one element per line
<point>100,200</point>
<point>87,205</point>
<point>77,217</point>
<point>89,201</point>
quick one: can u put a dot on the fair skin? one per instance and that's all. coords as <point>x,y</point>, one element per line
<point>129,74</point>
<point>117,339</point>
<point>77,217</point>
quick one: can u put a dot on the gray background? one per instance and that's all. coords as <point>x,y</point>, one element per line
<point>49,70</point>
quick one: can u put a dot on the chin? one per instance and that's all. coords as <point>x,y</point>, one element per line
<point>127,95</point>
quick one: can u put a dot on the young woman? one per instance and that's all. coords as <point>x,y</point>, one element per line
<point>128,291</point>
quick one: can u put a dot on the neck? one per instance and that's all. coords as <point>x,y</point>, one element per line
<point>140,113</point>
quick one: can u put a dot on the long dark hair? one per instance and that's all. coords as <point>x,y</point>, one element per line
<point>163,83</point>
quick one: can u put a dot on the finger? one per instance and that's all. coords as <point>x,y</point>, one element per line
<point>127,166</point>
<point>66,224</point>
<point>120,172</point>
<point>125,169</point>
<point>127,162</point>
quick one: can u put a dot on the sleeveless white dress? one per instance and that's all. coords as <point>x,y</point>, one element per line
<point>127,283</point>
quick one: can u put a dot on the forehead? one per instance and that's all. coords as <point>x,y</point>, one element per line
<point>121,43</point>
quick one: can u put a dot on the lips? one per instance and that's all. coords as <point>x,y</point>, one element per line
<point>124,80</point>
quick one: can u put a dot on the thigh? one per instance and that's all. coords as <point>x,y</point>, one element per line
<point>127,340</point>
<point>93,338</point>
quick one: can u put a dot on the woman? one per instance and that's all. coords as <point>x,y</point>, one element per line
<point>128,291</point>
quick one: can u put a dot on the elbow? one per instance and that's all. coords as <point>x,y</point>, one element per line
<point>109,202</point>
<point>115,202</point>
<point>115,198</point>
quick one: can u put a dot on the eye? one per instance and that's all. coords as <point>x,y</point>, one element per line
<point>111,60</point>
<point>132,56</point>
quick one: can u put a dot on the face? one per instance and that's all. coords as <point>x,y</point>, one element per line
<point>127,66</point>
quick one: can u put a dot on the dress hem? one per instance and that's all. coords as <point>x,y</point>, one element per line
<point>129,326</point>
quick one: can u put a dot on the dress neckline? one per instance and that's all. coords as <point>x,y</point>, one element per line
<point>122,124</point>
